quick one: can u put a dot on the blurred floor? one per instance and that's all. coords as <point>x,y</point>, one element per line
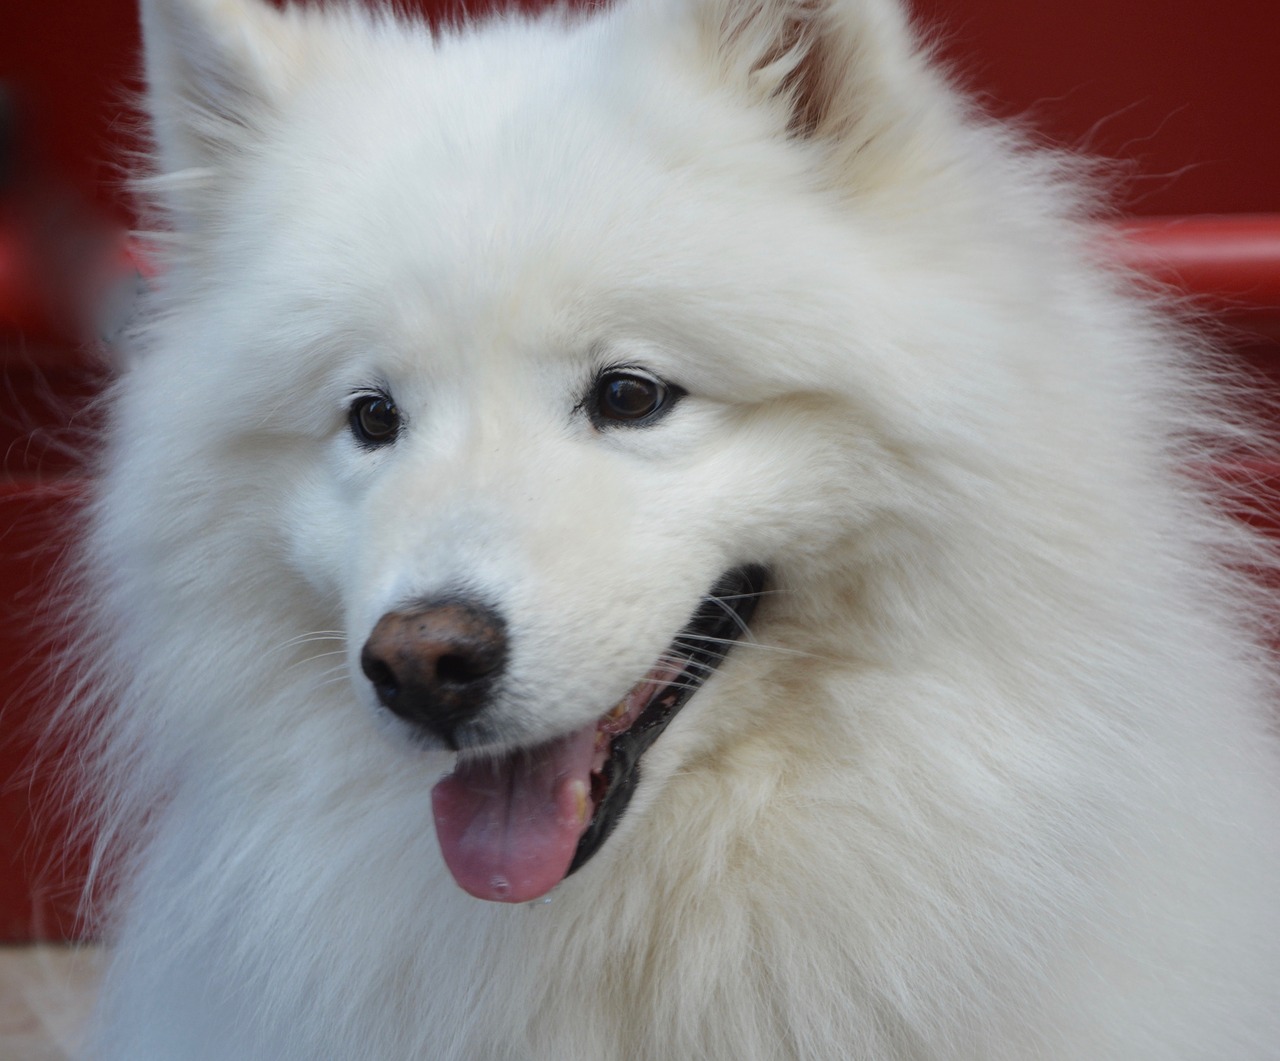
<point>46,993</point>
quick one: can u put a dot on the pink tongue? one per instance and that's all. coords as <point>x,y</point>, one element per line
<point>508,827</point>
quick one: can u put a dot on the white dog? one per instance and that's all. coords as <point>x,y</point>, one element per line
<point>651,535</point>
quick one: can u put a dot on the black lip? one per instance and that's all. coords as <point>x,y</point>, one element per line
<point>705,641</point>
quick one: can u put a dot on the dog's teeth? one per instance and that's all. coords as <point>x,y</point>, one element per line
<point>582,805</point>
<point>617,712</point>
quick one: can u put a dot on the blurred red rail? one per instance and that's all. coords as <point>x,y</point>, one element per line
<point>1230,264</point>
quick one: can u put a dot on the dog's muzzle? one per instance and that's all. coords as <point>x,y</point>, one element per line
<point>514,822</point>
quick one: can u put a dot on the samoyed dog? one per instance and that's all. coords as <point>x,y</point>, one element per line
<point>654,534</point>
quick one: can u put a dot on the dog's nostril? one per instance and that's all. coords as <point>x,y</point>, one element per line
<point>458,668</point>
<point>382,676</point>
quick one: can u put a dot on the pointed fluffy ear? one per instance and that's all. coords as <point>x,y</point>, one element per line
<point>214,70</point>
<point>848,74</point>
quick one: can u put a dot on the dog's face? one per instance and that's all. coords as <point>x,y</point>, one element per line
<point>545,448</point>
<point>531,337</point>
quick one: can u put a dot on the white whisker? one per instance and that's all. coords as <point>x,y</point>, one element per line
<point>759,645</point>
<point>739,621</point>
<point>310,637</point>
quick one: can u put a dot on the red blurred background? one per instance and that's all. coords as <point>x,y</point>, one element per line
<point>1188,92</point>
<point>1184,94</point>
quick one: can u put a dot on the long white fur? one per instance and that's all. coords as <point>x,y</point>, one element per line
<point>995,777</point>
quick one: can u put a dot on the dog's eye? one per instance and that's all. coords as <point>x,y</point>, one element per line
<point>631,397</point>
<point>374,419</point>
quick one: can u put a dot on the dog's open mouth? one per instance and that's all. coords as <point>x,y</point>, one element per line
<point>512,826</point>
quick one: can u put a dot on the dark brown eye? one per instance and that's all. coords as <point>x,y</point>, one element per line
<point>631,397</point>
<point>374,419</point>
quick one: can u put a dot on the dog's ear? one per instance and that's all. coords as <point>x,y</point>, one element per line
<point>848,75</point>
<point>215,69</point>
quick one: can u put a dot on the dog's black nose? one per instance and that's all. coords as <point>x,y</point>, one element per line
<point>436,665</point>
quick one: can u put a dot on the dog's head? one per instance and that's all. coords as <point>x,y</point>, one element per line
<point>534,357</point>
